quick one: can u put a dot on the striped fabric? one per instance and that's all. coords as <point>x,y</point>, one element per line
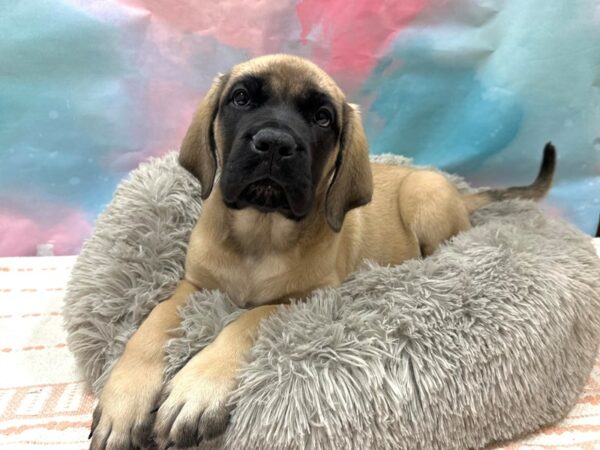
<point>44,402</point>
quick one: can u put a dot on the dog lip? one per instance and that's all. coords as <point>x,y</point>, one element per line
<point>265,194</point>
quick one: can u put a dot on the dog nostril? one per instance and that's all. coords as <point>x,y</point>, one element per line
<point>286,150</point>
<point>262,145</point>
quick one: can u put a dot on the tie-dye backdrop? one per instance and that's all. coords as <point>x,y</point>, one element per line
<point>89,89</point>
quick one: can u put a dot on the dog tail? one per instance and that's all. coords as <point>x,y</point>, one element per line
<point>535,191</point>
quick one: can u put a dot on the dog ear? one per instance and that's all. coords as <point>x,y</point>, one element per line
<point>352,182</point>
<point>198,152</point>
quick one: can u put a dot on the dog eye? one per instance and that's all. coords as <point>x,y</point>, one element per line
<point>241,97</point>
<point>323,117</point>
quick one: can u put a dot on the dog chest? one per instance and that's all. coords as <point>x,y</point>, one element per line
<point>257,280</point>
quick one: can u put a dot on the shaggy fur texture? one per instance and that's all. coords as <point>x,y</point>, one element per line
<point>491,337</point>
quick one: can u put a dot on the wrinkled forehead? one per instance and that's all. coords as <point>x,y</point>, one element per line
<point>288,76</point>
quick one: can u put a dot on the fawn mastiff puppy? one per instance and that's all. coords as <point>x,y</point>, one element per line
<point>297,207</point>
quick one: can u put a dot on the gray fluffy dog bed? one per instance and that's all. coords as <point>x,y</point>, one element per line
<point>491,337</point>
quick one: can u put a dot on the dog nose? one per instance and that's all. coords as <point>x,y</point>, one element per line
<point>273,140</point>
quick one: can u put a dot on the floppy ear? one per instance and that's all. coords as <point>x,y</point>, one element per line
<point>198,151</point>
<point>352,183</point>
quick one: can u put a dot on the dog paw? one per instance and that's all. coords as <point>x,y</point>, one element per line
<point>124,416</point>
<point>195,406</point>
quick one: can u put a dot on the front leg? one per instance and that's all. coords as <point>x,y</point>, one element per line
<point>123,418</point>
<point>196,406</point>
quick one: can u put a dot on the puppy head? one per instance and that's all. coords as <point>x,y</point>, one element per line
<point>283,134</point>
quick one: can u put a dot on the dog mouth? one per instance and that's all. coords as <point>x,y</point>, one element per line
<point>265,195</point>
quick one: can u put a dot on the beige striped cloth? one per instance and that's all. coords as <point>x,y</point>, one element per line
<point>43,400</point>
